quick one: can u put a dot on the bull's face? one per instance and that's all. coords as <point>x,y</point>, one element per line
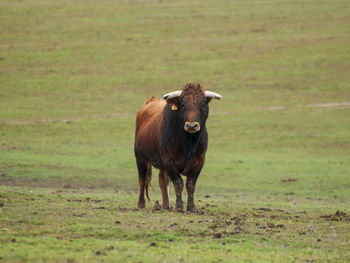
<point>193,110</point>
<point>191,103</point>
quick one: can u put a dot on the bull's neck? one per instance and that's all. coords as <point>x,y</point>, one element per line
<point>190,145</point>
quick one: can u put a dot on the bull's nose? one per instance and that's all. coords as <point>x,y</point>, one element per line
<point>192,127</point>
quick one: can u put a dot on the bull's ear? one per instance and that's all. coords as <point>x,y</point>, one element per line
<point>173,98</point>
<point>174,102</point>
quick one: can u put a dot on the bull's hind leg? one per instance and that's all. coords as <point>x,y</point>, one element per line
<point>145,174</point>
<point>164,187</point>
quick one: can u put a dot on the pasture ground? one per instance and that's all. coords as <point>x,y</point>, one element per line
<point>276,182</point>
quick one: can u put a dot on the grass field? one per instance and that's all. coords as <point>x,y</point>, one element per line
<point>276,183</point>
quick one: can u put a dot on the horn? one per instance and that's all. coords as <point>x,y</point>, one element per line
<point>173,94</point>
<point>213,95</point>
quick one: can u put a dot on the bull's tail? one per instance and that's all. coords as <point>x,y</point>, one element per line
<point>148,180</point>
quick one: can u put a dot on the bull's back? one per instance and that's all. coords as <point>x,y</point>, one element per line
<point>148,123</point>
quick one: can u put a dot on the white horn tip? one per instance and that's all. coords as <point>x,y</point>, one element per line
<point>213,95</point>
<point>173,94</point>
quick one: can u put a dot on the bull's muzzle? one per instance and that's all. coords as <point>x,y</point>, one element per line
<point>192,127</point>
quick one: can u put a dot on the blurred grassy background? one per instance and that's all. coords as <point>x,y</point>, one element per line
<point>74,74</point>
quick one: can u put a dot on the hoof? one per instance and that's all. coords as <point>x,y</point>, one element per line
<point>179,206</point>
<point>141,205</point>
<point>191,209</point>
<point>169,208</point>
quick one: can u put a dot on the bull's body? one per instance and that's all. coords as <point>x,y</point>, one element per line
<point>162,141</point>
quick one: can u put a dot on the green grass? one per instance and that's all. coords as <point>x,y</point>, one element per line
<point>81,225</point>
<point>74,74</point>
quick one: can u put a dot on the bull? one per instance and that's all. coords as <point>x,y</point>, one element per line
<point>171,136</point>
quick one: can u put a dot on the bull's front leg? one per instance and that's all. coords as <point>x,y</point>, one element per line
<point>190,187</point>
<point>192,176</point>
<point>178,186</point>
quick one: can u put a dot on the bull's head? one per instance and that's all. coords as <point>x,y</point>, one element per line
<point>191,103</point>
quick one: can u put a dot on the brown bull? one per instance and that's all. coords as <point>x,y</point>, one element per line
<point>171,135</point>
